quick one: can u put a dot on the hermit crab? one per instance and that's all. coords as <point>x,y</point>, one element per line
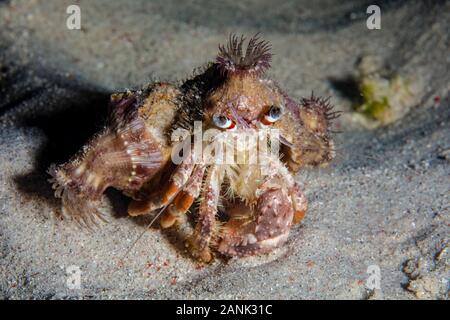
<point>241,208</point>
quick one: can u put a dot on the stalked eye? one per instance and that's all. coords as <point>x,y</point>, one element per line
<point>272,115</point>
<point>223,121</point>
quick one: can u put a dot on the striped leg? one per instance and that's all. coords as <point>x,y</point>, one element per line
<point>183,201</point>
<point>175,184</point>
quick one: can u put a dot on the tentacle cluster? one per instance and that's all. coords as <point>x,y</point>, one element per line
<point>256,58</point>
<point>76,204</point>
<point>321,105</point>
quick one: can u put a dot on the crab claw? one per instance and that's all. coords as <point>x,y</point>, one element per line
<point>269,229</point>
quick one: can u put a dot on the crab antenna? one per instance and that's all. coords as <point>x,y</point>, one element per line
<point>143,232</point>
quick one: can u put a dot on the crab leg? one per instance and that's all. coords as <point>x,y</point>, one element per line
<point>269,229</point>
<point>299,201</point>
<point>279,203</point>
<point>171,189</point>
<point>206,226</point>
<point>183,201</point>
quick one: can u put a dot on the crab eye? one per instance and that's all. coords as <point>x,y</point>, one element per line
<point>223,121</point>
<point>272,115</point>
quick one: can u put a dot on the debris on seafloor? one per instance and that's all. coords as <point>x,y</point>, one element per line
<point>427,276</point>
<point>386,96</point>
<point>444,154</point>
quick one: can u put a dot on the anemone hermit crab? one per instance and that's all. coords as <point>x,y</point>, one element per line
<point>258,201</point>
